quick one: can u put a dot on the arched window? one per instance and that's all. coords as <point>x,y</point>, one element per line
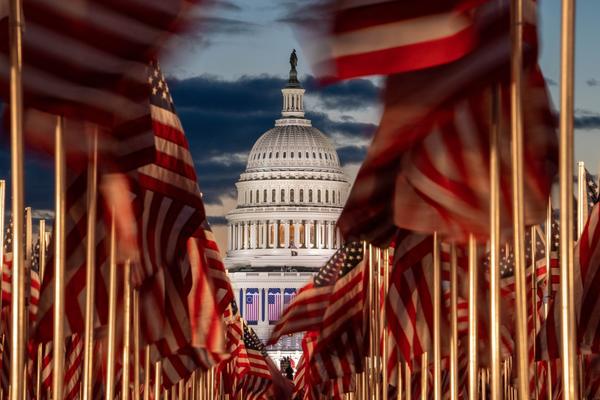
<point>291,154</point>
<point>301,195</point>
<point>327,196</point>
<point>307,154</point>
<point>299,154</point>
<point>333,196</point>
<point>314,155</point>
<point>284,154</point>
<point>310,195</point>
<point>251,196</point>
<point>277,155</point>
<point>292,196</point>
<point>245,197</point>
<point>270,154</point>
<point>319,196</point>
<point>265,196</point>
<point>282,195</point>
<point>321,156</point>
<point>257,196</point>
<point>273,196</point>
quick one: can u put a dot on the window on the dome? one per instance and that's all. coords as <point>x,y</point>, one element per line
<point>310,195</point>
<point>291,154</point>
<point>273,196</point>
<point>282,195</point>
<point>270,154</point>
<point>277,155</point>
<point>299,154</point>
<point>327,196</point>
<point>333,196</point>
<point>284,154</point>
<point>292,196</point>
<point>265,196</point>
<point>307,154</point>
<point>314,155</point>
<point>319,196</point>
<point>251,197</point>
<point>257,196</point>
<point>301,195</point>
<point>321,156</point>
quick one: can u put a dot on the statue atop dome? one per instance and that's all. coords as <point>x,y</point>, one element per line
<point>293,59</point>
<point>293,81</point>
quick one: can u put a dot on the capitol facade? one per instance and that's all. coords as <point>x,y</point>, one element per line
<point>283,228</point>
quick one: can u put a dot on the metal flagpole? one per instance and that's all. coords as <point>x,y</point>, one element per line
<point>147,373</point>
<point>16,162</point>
<point>42,255</point>
<point>454,325</point>
<point>59,262</point>
<point>496,389</point>
<point>157,378</point>
<point>568,327</point>
<point>136,344</point>
<point>181,389</point>
<point>399,384</point>
<point>377,309</point>
<point>548,251</point>
<point>407,380</point>
<point>383,323</point>
<point>533,234</point>
<point>112,310</point>
<point>28,264</point>
<point>370,388</point>
<point>581,198</point>
<point>126,329</point>
<point>437,303</point>
<point>424,373</point>
<point>473,318</point>
<point>90,259</point>
<point>518,199</point>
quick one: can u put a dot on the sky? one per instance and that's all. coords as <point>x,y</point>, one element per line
<point>226,78</point>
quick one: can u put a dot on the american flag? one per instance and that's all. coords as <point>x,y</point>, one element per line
<point>252,306</point>
<point>73,366</point>
<point>274,303</point>
<point>586,272</point>
<point>592,192</point>
<point>307,309</point>
<point>288,296</point>
<point>256,380</point>
<point>86,59</point>
<point>368,38</point>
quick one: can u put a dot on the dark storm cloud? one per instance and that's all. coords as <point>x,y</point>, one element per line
<point>593,82</point>
<point>227,26</point>
<point>223,119</point>
<point>587,122</point>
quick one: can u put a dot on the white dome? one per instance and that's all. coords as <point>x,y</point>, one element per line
<point>293,146</point>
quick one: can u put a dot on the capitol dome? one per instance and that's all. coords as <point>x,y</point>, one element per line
<point>290,195</point>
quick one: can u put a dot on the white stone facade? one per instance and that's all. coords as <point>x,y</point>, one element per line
<point>284,226</point>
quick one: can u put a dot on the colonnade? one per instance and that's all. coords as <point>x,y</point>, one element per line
<point>283,234</point>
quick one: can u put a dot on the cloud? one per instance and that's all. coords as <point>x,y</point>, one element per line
<point>224,118</point>
<point>227,26</point>
<point>586,120</point>
<point>593,82</point>
<point>550,82</point>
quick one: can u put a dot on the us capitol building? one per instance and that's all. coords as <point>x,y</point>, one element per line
<point>283,228</point>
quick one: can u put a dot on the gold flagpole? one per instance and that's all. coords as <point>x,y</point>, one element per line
<point>2,233</point>
<point>549,240</point>
<point>28,264</point>
<point>40,348</point>
<point>181,389</point>
<point>454,325</point>
<point>157,378</point>
<point>377,309</point>
<point>59,263</point>
<point>399,384</point>
<point>496,389</point>
<point>581,198</point>
<point>534,230</point>
<point>147,373</point>
<point>112,310</point>
<point>424,373</point>
<point>370,388</point>
<point>407,380</point>
<point>383,322</point>
<point>518,198</point>
<point>568,327</point>
<point>17,349</point>
<point>126,329</point>
<point>473,318</point>
<point>88,339</point>
<point>136,344</point>
<point>437,303</point>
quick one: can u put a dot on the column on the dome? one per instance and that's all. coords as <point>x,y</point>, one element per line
<point>338,236</point>
<point>330,229</point>
<point>297,234</point>
<point>286,233</point>
<point>276,236</point>
<point>306,234</point>
<point>236,234</point>
<point>245,233</point>
<point>229,237</point>
<point>252,234</point>
<point>318,235</point>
